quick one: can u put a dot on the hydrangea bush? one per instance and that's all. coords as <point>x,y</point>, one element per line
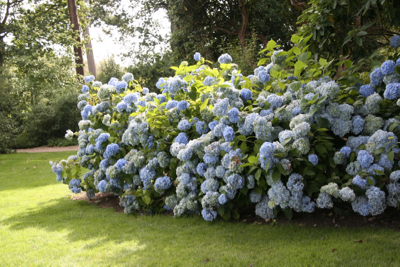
<point>215,142</point>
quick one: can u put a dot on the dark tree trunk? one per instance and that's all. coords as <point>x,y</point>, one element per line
<point>75,26</point>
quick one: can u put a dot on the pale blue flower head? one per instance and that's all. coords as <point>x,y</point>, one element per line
<point>395,41</point>
<point>89,79</point>
<point>225,59</point>
<point>197,56</point>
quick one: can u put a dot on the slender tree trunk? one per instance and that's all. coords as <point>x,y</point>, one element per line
<point>89,53</point>
<point>245,22</point>
<point>2,52</point>
<point>75,26</point>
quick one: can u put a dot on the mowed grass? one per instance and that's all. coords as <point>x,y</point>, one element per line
<point>41,226</point>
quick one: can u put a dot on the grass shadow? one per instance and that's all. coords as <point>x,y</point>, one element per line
<point>143,241</point>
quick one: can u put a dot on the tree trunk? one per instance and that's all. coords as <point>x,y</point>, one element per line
<point>89,53</point>
<point>245,22</point>
<point>75,26</point>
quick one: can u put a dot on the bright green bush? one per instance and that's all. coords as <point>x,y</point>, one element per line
<point>287,138</point>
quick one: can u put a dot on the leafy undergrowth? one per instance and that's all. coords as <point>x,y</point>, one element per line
<point>41,226</point>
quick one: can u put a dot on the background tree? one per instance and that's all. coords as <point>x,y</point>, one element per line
<point>350,28</point>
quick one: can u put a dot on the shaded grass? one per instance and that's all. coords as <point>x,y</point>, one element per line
<point>41,226</point>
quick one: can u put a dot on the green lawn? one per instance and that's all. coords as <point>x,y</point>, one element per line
<point>41,226</point>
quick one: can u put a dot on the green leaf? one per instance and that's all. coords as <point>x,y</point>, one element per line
<point>288,213</point>
<point>323,122</point>
<point>295,38</point>
<point>276,175</point>
<point>244,147</point>
<point>361,33</point>
<point>258,174</point>
<point>252,159</point>
<point>303,57</point>
<point>242,138</point>
<point>320,149</point>
<point>323,62</point>
<point>295,86</point>
<point>309,172</point>
<point>146,199</point>
<point>296,50</point>
<point>208,73</point>
<point>370,181</point>
<point>390,156</point>
<point>281,169</point>
<point>204,105</point>
<point>298,67</point>
<point>271,45</point>
<point>286,141</point>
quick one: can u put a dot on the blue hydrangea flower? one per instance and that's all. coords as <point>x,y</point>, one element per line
<point>160,83</point>
<point>131,98</point>
<point>209,215</point>
<point>236,181</point>
<point>392,91</point>
<point>365,159</point>
<point>75,186</point>
<point>275,100</point>
<point>222,199</point>
<point>209,159</point>
<point>387,67</point>
<point>246,94</point>
<point>161,98</point>
<point>182,105</point>
<point>229,134</point>
<point>182,138</point>
<point>162,184</point>
<point>208,80</point>
<point>145,90</point>
<point>346,151</point>
<point>313,159</point>
<point>221,108</point>
<point>296,111</point>
<point>358,124</point>
<point>360,182</point>
<point>376,77</point>
<point>184,125</point>
<point>201,127</point>
<point>127,77</point>
<point>102,186</point>
<point>233,115</point>
<point>85,88</point>
<point>89,79</point>
<point>171,104</point>
<point>263,76</point>
<point>367,90</point>
<point>111,150</point>
<point>121,106</point>
<point>395,41</point>
<point>121,86</point>
<point>197,56</point>
<point>212,125</point>
<point>225,59</point>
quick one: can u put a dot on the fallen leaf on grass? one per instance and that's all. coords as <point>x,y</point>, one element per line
<point>372,219</point>
<point>323,238</point>
<point>251,265</point>
<point>333,250</point>
<point>34,167</point>
<point>206,260</point>
<point>358,241</point>
<point>302,224</point>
